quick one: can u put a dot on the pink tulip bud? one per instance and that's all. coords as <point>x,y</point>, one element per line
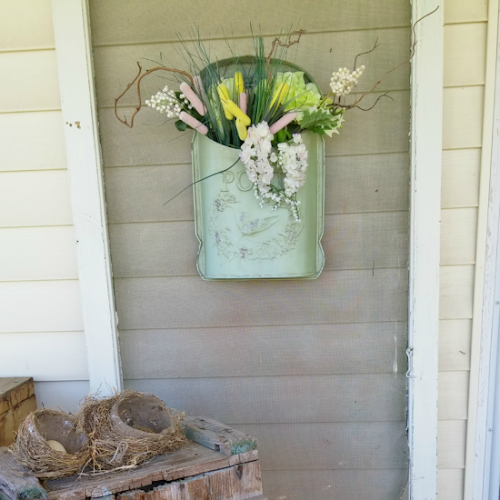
<point>192,98</point>
<point>193,123</point>
<point>243,102</point>
<point>282,122</point>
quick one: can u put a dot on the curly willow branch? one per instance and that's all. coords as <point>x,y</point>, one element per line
<point>138,79</point>
<point>277,42</point>
<point>355,103</point>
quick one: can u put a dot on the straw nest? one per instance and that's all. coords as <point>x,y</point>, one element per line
<point>31,446</point>
<point>128,429</point>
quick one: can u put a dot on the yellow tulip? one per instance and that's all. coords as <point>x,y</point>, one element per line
<point>234,110</point>
<point>224,98</point>
<point>242,130</point>
<point>279,94</point>
<point>238,83</point>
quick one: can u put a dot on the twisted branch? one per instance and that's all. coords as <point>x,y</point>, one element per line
<point>138,79</point>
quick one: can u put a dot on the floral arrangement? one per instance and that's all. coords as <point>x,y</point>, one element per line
<point>259,107</point>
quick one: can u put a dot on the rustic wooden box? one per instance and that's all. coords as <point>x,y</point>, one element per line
<point>17,399</point>
<point>219,463</point>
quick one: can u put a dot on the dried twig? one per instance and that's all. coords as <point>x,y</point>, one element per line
<point>355,103</point>
<point>138,79</point>
<point>277,42</point>
<point>375,45</point>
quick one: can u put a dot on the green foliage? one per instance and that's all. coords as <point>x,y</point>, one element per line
<point>320,121</point>
<point>181,126</point>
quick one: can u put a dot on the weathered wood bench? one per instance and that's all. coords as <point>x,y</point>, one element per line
<point>219,463</point>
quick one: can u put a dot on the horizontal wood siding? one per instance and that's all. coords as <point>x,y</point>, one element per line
<point>41,329</point>
<point>314,369</point>
<point>464,78</point>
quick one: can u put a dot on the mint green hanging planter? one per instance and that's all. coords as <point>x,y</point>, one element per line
<point>239,239</point>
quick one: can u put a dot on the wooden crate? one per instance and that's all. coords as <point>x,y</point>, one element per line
<point>219,463</point>
<point>17,399</point>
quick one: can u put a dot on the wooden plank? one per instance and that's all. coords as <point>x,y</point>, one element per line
<point>265,351</point>
<point>465,54</point>
<point>458,236</point>
<point>68,348</point>
<point>217,436</point>
<point>34,199</point>
<point>453,392</point>
<point>114,22</point>
<point>14,390</point>
<point>358,241</point>
<point>335,297</point>
<point>16,481</point>
<point>53,306</point>
<point>10,420</point>
<point>462,11</point>
<point>319,53</point>
<point>37,253</point>
<point>46,145</point>
<point>454,344</point>
<point>463,117</point>
<point>343,446</point>
<point>191,460</point>
<point>456,292</point>
<point>451,438</point>
<point>153,141</point>
<point>65,395</point>
<point>450,484</point>
<point>460,178</point>
<point>28,69</point>
<point>26,24</point>
<point>331,483</point>
<point>292,399</point>
<point>353,184</point>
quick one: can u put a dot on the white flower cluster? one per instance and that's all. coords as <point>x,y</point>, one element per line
<point>165,101</point>
<point>343,81</point>
<point>261,162</point>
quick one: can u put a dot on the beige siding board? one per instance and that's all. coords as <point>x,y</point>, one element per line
<point>335,484</point>
<point>458,235</point>
<point>453,390</point>
<point>115,66</point>
<point>35,85</point>
<point>369,445</point>
<point>463,117</point>
<point>34,199</point>
<point>284,400</point>
<point>456,283</point>
<point>32,141</point>
<point>460,11</point>
<point>47,356</point>
<point>64,395</point>
<point>450,484</point>
<point>40,306</point>
<point>358,241</point>
<point>353,184</point>
<point>454,344</point>
<point>460,178</point>
<point>119,22</point>
<point>43,253</point>
<point>154,141</point>
<point>335,297</point>
<point>465,49</point>
<point>264,351</point>
<point>451,444</point>
<point>26,24</point>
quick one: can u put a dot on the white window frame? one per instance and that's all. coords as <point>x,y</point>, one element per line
<point>74,56</point>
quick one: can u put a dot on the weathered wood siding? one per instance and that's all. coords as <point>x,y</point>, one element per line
<point>464,78</point>
<point>314,369</point>
<point>41,330</point>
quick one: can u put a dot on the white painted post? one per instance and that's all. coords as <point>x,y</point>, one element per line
<point>425,215</point>
<point>74,58</point>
